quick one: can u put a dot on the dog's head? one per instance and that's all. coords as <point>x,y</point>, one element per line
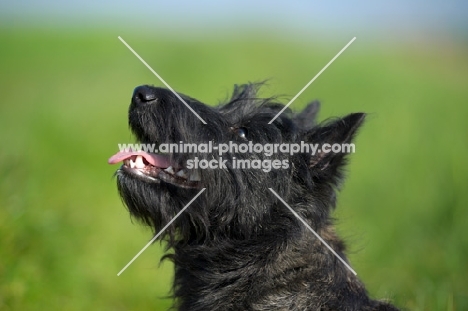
<point>236,201</point>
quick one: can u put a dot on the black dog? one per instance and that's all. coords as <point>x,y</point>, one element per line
<point>237,246</point>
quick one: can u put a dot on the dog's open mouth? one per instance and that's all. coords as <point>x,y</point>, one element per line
<point>155,168</point>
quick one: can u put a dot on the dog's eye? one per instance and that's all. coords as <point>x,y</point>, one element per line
<point>242,132</point>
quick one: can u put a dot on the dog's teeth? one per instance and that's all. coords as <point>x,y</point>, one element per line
<point>194,176</point>
<point>132,163</point>
<point>139,162</point>
<point>170,170</point>
<point>182,173</point>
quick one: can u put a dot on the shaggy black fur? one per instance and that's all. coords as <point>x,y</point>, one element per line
<point>237,247</point>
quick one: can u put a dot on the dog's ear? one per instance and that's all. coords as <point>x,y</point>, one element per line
<point>334,142</point>
<point>306,119</point>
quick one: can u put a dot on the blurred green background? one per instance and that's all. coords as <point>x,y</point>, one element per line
<point>65,85</point>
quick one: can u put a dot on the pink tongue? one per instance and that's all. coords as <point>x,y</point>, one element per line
<point>153,159</point>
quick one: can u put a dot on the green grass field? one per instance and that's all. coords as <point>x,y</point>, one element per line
<point>64,233</point>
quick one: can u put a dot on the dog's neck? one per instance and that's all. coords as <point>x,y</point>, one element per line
<point>257,275</point>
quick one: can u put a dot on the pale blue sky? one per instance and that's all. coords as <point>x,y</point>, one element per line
<point>372,17</point>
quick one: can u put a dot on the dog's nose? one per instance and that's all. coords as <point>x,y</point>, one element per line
<point>144,94</point>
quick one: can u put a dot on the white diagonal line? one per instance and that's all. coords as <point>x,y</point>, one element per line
<point>162,80</point>
<point>315,233</point>
<point>313,79</point>
<point>160,232</point>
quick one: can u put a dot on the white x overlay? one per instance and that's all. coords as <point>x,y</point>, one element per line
<point>203,189</point>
